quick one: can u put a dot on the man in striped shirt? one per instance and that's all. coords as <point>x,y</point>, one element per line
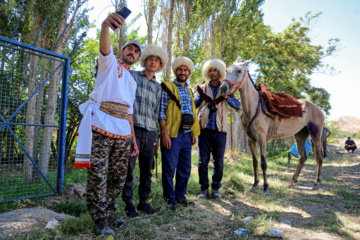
<point>146,111</point>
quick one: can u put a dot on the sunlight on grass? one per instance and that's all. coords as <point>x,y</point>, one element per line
<point>332,209</point>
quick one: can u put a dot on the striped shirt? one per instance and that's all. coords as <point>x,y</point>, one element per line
<point>147,101</point>
<point>185,100</point>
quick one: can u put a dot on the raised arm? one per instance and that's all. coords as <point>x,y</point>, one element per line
<point>118,21</point>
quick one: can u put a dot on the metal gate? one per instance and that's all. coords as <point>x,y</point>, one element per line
<point>33,103</point>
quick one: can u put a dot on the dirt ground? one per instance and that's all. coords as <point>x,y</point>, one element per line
<point>306,207</point>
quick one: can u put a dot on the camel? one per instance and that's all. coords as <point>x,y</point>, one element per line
<point>259,127</point>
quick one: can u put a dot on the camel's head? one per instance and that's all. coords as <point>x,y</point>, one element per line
<point>235,76</point>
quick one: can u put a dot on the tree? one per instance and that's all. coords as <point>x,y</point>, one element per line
<point>170,24</point>
<point>149,12</point>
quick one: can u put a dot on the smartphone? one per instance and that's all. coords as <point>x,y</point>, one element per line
<point>124,12</point>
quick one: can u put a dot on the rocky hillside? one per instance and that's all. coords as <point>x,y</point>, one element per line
<point>349,124</point>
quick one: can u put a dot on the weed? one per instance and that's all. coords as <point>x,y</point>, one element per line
<point>73,208</point>
<point>347,195</point>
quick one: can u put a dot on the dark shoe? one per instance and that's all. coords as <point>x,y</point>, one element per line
<point>116,222</point>
<point>173,205</point>
<point>130,210</point>
<point>104,230</point>
<point>215,194</point>
<point>204,194</point>
<point>184,202</point>
<point>143,206</point>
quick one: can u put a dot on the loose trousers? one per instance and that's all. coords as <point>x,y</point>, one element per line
<point>177,158</point>
<point>106,177</point>
<point>211,141</point>
<point>146,141</point>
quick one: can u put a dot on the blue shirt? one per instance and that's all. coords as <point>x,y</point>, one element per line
<point>185,100</point>
<point>232,101</point>
<point>349,142</point>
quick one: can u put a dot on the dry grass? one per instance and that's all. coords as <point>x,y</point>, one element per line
<point>330,213</point>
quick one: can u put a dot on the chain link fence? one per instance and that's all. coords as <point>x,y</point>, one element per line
<point>33,91</point>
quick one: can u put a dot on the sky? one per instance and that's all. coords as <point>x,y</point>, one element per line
<point>339,19</point>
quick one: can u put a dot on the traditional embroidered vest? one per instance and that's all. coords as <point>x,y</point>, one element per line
<point>221,113</point>
<point>173,113</point>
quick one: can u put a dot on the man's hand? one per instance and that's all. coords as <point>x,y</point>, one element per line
<point>157,147</point>
<point>134,150</point>
<point>118,21</point>
<point>193,140</point>
<point>165,140</point>
<point>115,19</point>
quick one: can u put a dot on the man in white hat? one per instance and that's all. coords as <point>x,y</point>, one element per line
<point>146,111</point>
<point>212,114</point>
<point>106,134</point>
<point>179,127</point>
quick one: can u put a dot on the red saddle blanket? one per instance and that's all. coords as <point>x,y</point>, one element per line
<point>281,103</point>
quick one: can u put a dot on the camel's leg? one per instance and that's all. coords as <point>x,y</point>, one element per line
<point>253,148</point>
<point>264,165</point>
<point>300,138</point>
<point>319,160</point>
<point>289,158</point>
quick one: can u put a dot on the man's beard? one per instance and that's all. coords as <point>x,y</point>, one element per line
<point>129,61</point>
<point>180,80</point>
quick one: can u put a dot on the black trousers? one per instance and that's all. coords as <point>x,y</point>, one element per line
<point>146,141</point>
<point>211,141</point>
<point>350,148</point>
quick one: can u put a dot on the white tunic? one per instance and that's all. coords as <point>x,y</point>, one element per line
<point>113,83</point>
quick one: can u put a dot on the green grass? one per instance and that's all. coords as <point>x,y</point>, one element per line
<point>310,211</point>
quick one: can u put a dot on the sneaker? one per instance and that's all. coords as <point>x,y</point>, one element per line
<point>105,231</point>
<point>204,194</point>
<point>130,210</point>
<point>116,222</point>
<point>184,202</point>
<point>215,194</point>
<point>145,207</point>
<point>173,205</point>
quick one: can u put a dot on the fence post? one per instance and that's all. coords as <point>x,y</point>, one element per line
<point>62,129</point>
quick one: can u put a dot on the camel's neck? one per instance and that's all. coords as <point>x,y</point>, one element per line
<point>249,100</point>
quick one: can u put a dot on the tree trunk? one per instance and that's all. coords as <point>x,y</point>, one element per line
<point>169,40</point>
<point>51,106</point>
<point>52,100</point>
<point>213,37</point>
<point>149,17</point>
<point>30,117</point>
<point>187,33</point>
<point>39,108</point>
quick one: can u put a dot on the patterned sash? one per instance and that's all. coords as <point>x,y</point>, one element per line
<point>114,109</point>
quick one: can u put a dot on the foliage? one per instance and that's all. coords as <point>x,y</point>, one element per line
<point>287,59</point>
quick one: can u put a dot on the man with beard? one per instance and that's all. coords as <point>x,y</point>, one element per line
<point>106,133</point>
<point>146,112</point>
<point>213,114</point>
<point>179,127</point>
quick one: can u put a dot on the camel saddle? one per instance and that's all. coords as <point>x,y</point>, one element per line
<point>279,103</point>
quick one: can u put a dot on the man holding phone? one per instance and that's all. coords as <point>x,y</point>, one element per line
<point>106,132</point>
